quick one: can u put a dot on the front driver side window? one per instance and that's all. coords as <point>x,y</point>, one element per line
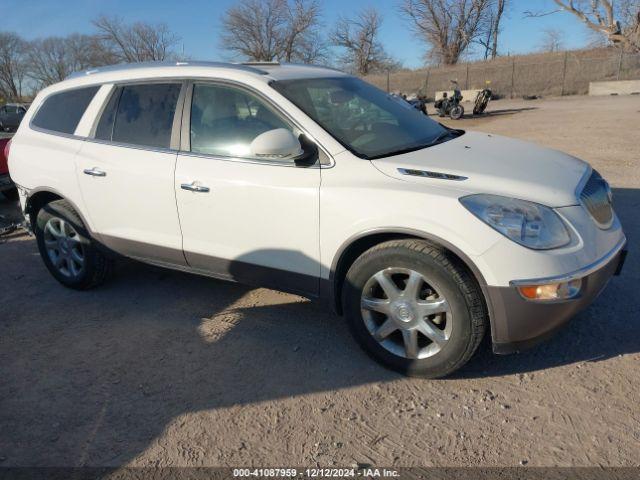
<point>225,120</point>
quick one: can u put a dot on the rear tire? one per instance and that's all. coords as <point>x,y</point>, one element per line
<point>67,249</point>
<point>404,334</point>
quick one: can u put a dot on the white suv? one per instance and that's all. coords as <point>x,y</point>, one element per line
<point>311,181</point>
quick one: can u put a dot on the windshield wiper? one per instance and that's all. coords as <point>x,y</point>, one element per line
<point>413,148</point>
<point>444,135</point>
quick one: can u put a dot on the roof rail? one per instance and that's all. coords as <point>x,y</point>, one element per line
<point>289,64</point>
<point>131,66</point>
<point>311,65</point>
<point>261,62</point>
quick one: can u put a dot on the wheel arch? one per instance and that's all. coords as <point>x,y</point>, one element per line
<point>355,246</point>
<point>40,197</point>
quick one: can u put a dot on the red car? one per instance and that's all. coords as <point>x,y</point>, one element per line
<point>7,187</point>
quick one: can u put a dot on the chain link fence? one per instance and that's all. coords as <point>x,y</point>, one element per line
<point>545,74</point>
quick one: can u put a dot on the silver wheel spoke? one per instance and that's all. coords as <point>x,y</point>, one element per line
<point>52,229</point>
<point>384,330</point>
<point>390,289</point>
<point>414,282</point>
<point>75,266</point>
<point>64,247</point>
<point>432,332</point>
<point>77,256</point>
<point>376,304</point>
<point>397,293</point>
<point>59,260</point>
<point>410,338</point>
<point>432,307</point>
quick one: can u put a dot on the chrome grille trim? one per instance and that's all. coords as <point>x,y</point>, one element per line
<point>595,197</point>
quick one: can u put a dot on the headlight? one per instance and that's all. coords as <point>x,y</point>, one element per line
<point>527,223</point>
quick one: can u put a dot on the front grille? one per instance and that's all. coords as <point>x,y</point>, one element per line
<point>596,198</point>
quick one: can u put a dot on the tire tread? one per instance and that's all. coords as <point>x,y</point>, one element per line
<point>102,265</point>
<point>465,281</point>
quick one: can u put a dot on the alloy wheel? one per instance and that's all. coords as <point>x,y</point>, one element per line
<point>64,247</point>
<point>406,313</point>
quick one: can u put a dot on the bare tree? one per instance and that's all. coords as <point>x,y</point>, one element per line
<point>553,40</point>
<point>52,59</point>
<point>448,27</point>
<point>270,30</point>
<point>358,37</point>
<point>13,65</point>
<point>619,22</point>
<point>137,42</point>
<point>301,39</point>
<point>252,29</point>
<point>490,29</point>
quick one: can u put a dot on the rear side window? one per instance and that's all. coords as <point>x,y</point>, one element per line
<point>104,130</point>
<point>61,112</point>
<point>140,115</point>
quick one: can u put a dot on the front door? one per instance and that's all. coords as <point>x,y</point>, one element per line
<point>126,173</point>
<point>244,218</point>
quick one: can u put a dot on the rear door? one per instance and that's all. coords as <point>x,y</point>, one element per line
<point>126,172</point>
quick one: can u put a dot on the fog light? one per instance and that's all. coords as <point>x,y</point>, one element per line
<point>551,291</point>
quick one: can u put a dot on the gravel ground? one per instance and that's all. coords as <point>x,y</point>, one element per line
<point>161,368</point>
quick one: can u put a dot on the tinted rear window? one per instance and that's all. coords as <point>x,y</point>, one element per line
<point>61,112</point>
<point>144,115</point>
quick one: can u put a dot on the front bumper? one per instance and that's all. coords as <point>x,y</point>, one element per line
<point>6,183</point>
<point>517,323</point>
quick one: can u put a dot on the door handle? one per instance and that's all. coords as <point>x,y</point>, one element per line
<point>192,187</point>
<point>95,172</point>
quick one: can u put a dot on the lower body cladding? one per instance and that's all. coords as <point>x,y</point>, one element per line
<point>518,323</point>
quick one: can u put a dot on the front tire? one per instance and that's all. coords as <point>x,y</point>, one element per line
<point>457,112</point>
<point>67,249</point>
<point>414,308</point>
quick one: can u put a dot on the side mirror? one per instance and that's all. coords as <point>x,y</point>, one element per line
<point>276,144</point>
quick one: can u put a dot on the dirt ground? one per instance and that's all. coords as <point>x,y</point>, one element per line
<point>160,368</point>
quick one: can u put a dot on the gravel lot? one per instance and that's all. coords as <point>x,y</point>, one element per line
<point>162,368</point>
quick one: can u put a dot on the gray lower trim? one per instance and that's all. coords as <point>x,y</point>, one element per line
<point>144,251</point>
<point>255,275</point>
<point>517,322</point>
<point>215,267</point>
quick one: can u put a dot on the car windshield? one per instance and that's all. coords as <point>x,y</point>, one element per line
<point>366,120</point>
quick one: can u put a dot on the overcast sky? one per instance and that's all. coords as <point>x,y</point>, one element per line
<point>198,23</point>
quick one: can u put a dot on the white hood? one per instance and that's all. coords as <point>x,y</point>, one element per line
<point>497,165</point>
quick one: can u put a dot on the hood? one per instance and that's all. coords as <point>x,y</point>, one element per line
<point>497,165</point>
